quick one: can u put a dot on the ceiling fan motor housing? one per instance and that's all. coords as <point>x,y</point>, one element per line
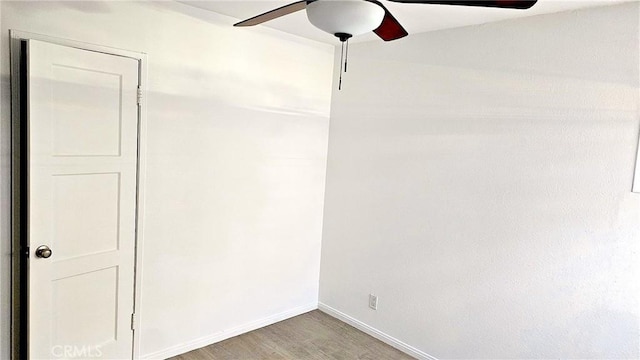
<point>352,17</point>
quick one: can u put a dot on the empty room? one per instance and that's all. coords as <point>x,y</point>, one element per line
<point>324,179</point>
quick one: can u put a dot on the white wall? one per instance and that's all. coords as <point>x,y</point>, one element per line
<point>237,141</point>
<point>479,183</point>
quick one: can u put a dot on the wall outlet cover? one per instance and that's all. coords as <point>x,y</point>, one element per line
<point>373,302</point>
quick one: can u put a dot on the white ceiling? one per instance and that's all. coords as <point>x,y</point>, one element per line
<point>416,18</point>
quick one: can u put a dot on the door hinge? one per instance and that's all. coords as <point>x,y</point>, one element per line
<point>139,95</point>
<point>133,321</point>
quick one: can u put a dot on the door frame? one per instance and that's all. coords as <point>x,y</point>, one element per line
<point>18,264</point>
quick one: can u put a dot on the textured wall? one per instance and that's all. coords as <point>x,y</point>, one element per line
<point>237,140</point>
<point>479,183</point>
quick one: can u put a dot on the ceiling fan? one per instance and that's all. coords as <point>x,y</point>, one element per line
<point>347,18</point>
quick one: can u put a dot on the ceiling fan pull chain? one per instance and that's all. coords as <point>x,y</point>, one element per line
<point>341,60</point>
<point>346,56</point>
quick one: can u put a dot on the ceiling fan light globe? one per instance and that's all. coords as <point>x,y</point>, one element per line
<point>354,17</point>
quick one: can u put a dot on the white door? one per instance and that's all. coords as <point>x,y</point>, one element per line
<point>82,183</point>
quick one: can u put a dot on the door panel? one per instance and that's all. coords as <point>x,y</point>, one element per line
<point>85,101</point>
<point>76,298</point>
<point>93,230</point>
<point>82,183</point>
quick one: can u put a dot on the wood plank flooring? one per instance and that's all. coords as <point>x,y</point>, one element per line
<point>312,336</point>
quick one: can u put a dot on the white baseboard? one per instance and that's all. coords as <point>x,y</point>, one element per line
<point>223,335</point>
<point>405,348</point>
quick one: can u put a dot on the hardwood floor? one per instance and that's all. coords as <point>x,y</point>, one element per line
<point>312,336</point>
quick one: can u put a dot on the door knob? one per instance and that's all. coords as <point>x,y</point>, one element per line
<point>43,251</point>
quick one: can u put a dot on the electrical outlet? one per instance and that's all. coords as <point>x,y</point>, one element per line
<point>373,302</point>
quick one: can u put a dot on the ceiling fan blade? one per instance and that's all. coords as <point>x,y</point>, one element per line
<point>506,4</point>
<point>276,13</point>
<point>390,29</point>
